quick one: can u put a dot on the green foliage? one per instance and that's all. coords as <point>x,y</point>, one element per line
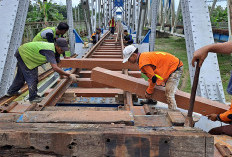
<point>219,14</point>
<point>44,11</point>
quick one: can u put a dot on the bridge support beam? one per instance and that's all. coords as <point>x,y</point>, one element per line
<point>85,5</point>
<point>154,9</point>
<point>197,34</point>
<point>71,26</point>
<point>13,14</point>
<point>142,13</point>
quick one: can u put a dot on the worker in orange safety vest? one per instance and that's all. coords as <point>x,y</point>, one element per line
<point>95,37</point>
<point>162,69</point>
<point>112,25</point>
<point>226,117</point>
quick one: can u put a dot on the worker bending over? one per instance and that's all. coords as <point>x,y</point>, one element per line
<point>29,57</point>
<point>95,37</point>
<point>112,25</point>
<point>161,68</point>
<point>128,38</point>
<point>226,117</point>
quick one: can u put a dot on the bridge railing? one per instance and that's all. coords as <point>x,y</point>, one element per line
<point>32,28</point>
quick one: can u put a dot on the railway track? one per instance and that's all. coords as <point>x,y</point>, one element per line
<point>92,119</point>
<point>109,47</point>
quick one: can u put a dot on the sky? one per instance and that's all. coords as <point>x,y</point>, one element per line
<point>76,2</point>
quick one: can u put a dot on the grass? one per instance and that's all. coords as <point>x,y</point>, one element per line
<point>176,46</point>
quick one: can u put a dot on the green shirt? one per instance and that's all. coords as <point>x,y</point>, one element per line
<point>30,54</point>
<point>38,37</point>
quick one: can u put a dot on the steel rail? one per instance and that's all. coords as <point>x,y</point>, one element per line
<point>97,45</point>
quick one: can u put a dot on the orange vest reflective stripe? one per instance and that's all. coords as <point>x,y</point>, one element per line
<point>226,116</point>
<point>164,64</point>
<point>93,34</point>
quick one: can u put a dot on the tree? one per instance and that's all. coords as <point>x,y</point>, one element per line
<point>219,14</point>
<point>44,11</point>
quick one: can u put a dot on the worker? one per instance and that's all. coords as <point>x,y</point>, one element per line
<point>226,117</point>
<point>95,37</point>
<point>50,34</point>
<point>128,38</point>
<point>112,25</point>
<point>31,55</point>
<point>162,69</point>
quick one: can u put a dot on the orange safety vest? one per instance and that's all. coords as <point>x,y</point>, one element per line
<point>163,63</point>
<point>112,23</point>
<point>227,116</point>
<point>94,34</point>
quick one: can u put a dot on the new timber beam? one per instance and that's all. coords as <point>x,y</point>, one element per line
<point>87,74</point>
<point>89,63</point>
<point>138,86</point>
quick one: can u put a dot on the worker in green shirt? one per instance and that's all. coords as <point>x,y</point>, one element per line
<point>29,57</point>
<point>50,34</point>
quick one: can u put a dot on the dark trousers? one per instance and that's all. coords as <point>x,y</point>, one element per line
<point>96,38</point>
<point>229,88</point>
<point>223,130</point>
<point>128,43</point>
<point>112,30</point>
<point>25,74</point>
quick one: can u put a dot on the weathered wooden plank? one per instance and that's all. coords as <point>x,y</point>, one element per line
<point>97,140</point>
<point>134,85</point>
<point>59,108</point>
<point>9,117</point>
<point>21,107</point>
<point>152,121</point>
<point>94,117</point>
<point>91,92</point>
<point>138,110</point>
<point>176,118</point>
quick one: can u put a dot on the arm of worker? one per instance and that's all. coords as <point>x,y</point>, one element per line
<point>130,39</point>
<point>149,72</point>
<point>52,59</point>
<point>225,117</point>
<point>201,54</point>
<point>50,37</point>
<point>48,34</point>
<point>127,39</point>
<point>59,70</point>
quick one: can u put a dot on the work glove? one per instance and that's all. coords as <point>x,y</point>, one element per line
<point>74,77</point>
